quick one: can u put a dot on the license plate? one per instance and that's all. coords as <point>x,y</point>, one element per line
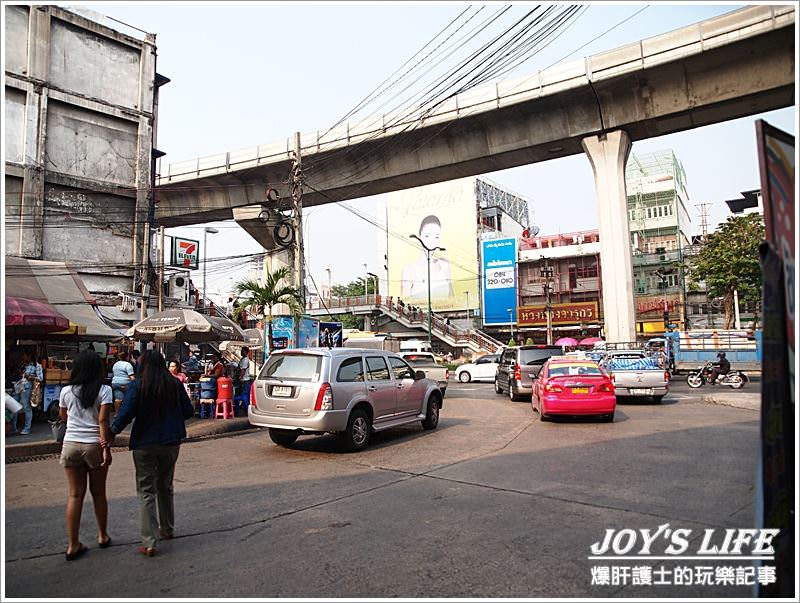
<point>281,391</point>
<point>580,390</point>
<point>642,391</point>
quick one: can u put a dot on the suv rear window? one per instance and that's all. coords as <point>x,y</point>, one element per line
<point>537,355</point>
<point>292,367</point>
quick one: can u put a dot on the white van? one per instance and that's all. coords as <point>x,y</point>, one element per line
<point>415,345</point>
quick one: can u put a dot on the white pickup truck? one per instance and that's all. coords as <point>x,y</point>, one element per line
<point>426,362</point>
<point>635,374</point>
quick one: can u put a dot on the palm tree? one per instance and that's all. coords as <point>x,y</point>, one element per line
<point>260,299</point>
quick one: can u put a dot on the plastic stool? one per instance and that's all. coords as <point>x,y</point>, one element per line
<point>224,408</point>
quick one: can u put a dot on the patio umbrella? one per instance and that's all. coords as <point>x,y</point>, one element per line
<point>254,340</point>
<point>591,340</point>
<point>29,316</point>
<point>566,341</point>
<point>187,326</point>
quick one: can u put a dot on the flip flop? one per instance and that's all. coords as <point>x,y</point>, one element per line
<point>73,556</point>
<point>164,535</point>
<point>106,544</point>
<point>147,551</point>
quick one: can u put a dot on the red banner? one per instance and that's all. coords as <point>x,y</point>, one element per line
<point>563,314</point>
<point>655,304</point>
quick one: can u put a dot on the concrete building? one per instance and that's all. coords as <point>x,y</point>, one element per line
<point>660,230</point>
<point>568,265</point>
<point>80,121</point>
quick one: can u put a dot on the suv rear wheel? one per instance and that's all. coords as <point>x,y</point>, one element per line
<point>282,437</point>
<point>431,419</point>
<point>497,388</point>
<point>359,427</point>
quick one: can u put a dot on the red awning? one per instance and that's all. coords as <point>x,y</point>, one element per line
<point>25,315</point>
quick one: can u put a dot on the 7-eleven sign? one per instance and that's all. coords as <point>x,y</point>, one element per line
<point>185,253</point>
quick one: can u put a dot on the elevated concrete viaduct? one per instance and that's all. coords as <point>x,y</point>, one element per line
<point>738,64</point>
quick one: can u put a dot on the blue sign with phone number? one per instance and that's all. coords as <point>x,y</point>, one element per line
<point>499,264</point>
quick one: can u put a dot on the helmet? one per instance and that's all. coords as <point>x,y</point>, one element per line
<point>721,355</point>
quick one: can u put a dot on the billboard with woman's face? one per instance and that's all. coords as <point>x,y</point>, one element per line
<point>440,215</point>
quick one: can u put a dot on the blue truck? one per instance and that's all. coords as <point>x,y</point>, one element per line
<point>692,349</point>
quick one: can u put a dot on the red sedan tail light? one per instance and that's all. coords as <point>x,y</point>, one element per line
<point>606,387</point>
<point>252,394</point>
<point>553,388</point>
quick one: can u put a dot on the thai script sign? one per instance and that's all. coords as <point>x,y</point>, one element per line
<point>563,314</point>
<point>499,262</point>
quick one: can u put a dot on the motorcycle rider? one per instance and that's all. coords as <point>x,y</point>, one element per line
<point>723,367</point>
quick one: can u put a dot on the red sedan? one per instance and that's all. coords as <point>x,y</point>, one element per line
<point>570,386</point>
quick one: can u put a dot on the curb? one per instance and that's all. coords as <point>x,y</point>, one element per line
<point>752,402</point>
<point>195,431</point>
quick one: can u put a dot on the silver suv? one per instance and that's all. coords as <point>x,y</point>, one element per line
<point>347,391</point>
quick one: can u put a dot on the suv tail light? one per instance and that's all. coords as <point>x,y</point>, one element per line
<point>606,387</point>
<point>612,377</point>
<point>517,372</point>
<point>252,394</point>
<point>666,376</point>
<point>446,374</point>
<point>553,388</point>
<point>324,398</point>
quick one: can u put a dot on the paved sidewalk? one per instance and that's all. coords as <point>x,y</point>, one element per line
<point>40,440</point>
<point>746,401</point>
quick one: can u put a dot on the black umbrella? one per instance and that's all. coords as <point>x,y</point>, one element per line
<point>187,326</point>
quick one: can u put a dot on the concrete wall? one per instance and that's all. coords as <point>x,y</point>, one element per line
<point>78,130</point>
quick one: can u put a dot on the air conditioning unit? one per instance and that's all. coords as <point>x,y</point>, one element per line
<point>179,287</point>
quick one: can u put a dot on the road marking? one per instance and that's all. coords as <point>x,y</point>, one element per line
<point>679,397</point>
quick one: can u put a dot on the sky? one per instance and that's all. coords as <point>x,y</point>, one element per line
<point>244,74</point>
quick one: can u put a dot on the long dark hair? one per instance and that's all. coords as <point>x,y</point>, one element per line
<point>157,387</point>
<point>88,374</point>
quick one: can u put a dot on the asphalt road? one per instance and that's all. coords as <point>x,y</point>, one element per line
<point>493,503</point>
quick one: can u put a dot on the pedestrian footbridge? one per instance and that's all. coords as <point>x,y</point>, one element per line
<point>474,340</point>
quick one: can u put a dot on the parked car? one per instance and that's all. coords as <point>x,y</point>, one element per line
<point>483,369</point>
<point>350,392</point>
<point>428,364</point>
<point>636,374</point>
<point>572,386</point>
<point>519,366</point>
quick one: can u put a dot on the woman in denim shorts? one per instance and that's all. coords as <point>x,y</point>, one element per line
<point>85,404</point>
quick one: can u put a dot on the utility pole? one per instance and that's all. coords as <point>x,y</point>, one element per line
<point>297,201</point>
<point>547,273</point>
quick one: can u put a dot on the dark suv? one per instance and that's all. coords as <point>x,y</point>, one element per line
<point>519,366</point>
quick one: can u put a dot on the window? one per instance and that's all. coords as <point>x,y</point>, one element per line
<point>649,214</point>
<point>351,370</point>
<point>292,367</point>
<point>401,369</point>
<point>377,369</point>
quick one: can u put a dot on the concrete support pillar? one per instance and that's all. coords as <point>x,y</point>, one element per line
<point>608,155</point>
<point>31,230</point>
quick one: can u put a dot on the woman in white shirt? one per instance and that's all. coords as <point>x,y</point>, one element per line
<point>85,404</point>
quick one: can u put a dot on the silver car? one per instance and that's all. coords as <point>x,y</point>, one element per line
<point>347,391</point>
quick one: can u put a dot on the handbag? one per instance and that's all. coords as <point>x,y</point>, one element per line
<point>36,394</point>
<point>59,429</point>
<point>19,386</point>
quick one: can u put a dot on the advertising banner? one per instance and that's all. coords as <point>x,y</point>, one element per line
<point>282,332</point>
<point>499,268</point>
<point>441,215</point>
<point>185,253</point>
<point>563,314</point>
<point>654,304</point>
<point>330,334</point>
<point>308,333</point>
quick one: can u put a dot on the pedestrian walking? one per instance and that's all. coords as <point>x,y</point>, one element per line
<point>30,374</point>
<point>122,372</point>
<point>85,406</point>
<point>158,405</point>
<point>246,380</point>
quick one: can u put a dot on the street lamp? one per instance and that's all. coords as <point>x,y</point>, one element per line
<point>469,326</point>
<point>428,252</point>
<point>511,321</point>
<point>375,289</point>
<point>208,230</point>
<point>366,278</point>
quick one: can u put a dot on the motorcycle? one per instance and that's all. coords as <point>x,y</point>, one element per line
<point>698,378</point>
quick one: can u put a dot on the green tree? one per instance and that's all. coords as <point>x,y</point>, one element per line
<point>260,299</point>
<point>728,262</point>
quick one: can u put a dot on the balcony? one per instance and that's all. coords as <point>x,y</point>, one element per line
<point>654,259</point>
<point>587,284</point>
